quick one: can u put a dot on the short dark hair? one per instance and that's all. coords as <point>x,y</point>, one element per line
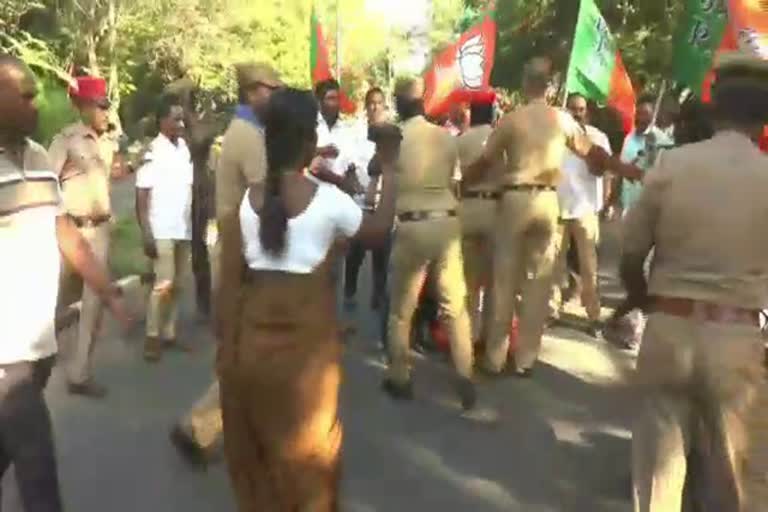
<point>165,105</point>
<point>326,86</point>
<point>575,95</point>
<point>371,92</point>
<point>6,59</point>
<point>11,61</point>
<point>480,113</point>
<point>740,103</point>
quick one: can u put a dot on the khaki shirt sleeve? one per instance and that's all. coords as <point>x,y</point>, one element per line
<point>642,218</point>
<point>242,162</point>
<point>58,153</point>
<point>228,180</point>
<point>255,164</point>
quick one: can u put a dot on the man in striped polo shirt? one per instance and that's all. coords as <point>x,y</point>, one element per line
<point>34,234</point>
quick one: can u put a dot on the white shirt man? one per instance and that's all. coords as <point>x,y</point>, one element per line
<point>164,186</point>
<point>580,194</point>
<point>339,136</point>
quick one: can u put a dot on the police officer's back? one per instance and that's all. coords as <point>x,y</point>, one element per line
<point>427,237</point>
<point>703,212</point>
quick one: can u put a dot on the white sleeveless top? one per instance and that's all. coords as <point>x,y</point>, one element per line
<point>310,234</point>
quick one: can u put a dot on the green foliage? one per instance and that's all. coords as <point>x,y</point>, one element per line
<point>55,109</point>
<point>126,256</point>
<point>644,31</point>
<point>141,45</point>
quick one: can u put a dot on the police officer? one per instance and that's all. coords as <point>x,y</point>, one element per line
<point>702,210</point>
<point>427,238</point>
<point>534,139</point>
<point>478,214</point>
<point>83,155</point>
<point>239,162</point>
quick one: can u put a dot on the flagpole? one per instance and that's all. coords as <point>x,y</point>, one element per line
<point>657,107</point>
<point>338,41</point>
<point>564,100</point>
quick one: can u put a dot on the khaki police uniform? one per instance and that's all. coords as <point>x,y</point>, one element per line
<point>83,160</point>
<point>756,471</point>
<point>242,162</point>
<point>533,140</point>
<point>238,160</point>
<point>701,358</point>
<point>427,239</point>
<point>203,423</point>
<point>479,204</point>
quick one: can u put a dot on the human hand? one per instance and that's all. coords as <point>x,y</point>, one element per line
<point>329,151</point>
<point>150,247</point>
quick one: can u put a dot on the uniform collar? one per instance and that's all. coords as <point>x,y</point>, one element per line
<point>86,131</point>
<point>734,136</point>
<point>246,113</point>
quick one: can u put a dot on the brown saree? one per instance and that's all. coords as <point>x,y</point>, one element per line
<point>279,367</point>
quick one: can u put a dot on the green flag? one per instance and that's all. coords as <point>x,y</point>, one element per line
<point>698,38</point>
<point>596,69</point>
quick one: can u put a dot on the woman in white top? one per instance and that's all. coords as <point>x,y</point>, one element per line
<point>279,358</point>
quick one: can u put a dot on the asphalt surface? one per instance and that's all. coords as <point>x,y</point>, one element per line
<point>561,442</point>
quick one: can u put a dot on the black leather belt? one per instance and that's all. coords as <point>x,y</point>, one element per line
<point>529,187</point>
<point>419,215</point>
<point>90,222</point>
<point>481,195</point>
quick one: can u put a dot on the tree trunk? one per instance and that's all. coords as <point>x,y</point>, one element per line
<point>113,85</point>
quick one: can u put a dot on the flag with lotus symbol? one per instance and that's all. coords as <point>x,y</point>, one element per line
<point>461,69</point>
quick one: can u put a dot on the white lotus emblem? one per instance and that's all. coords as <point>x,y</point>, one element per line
<point>471,57</point>
<point>751,41</point>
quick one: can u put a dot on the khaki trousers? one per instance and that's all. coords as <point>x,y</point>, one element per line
<point>756,478</point>
<point>420,248</point>
<point>203,421</point>
<point>171,268</point>
<point>697,382</point>
<point>524,260</point>
<point>586,233</point>
<point>91,311</point>
<point>478,218</point>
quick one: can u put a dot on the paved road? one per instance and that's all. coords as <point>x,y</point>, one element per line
<point>562,443</point>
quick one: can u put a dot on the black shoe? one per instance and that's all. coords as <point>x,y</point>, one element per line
<point>175,345</point>
<point>398,391</point>
<point>190,451</point>
<point>89,389</point>
<point>467,393</point>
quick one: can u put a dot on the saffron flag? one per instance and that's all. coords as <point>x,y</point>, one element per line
<point>462,69</point>
<point>596,69</point>
<point>319,63</point>
<point>749,19</point>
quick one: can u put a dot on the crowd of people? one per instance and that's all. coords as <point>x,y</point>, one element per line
<point>477,214</point>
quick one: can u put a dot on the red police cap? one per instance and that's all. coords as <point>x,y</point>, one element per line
<point>89,88</point>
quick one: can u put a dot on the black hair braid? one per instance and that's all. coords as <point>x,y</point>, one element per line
<point>290,121</point>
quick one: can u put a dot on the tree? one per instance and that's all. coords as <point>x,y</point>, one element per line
<point>644,31</point>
